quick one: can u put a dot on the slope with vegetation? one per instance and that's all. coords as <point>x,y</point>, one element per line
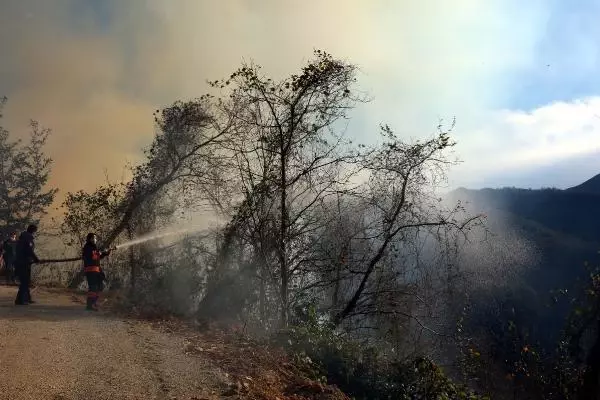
<point>551,310</point>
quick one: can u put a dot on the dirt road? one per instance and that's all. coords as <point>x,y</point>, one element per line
<point>56,350</point>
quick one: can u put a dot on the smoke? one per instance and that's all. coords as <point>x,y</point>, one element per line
<point>95,71</point>
<point>452,270</point>
<point>497,253</point>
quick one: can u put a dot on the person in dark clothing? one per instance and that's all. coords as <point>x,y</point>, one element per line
<point>93,271</point>
<point>9,250</point>
<point>25,257</point>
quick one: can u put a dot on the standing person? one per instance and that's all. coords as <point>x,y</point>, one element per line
<point>9,249</point>
<point>1,258</point>
<point>25,257</point>
<point>93,271</point>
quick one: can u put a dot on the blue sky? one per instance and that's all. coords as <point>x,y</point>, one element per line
<point>564,69</point>
<point>521,78</point>
<point>566,57</point>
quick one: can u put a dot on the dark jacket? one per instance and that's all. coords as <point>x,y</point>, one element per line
<point>26,249</point>
<point>9,249</point>
<point>91,258</point>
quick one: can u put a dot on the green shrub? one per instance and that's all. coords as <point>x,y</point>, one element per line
<point>364,372</point>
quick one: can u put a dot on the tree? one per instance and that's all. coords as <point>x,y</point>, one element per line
<point>401,197</point>
<point>91,212</point>
<point>291,163</point>
<point>582,336</point>
<point>186,155</point>
<point>187,150</point>
<point>289,145</point>
<point>24,173</point>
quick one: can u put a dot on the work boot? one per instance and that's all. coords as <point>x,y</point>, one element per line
<point>95,303</point>
<point>91,304</point>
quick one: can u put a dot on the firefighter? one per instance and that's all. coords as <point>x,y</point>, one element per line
<point>9,248</point>
<point>93,272</point>
<point>25,257</point>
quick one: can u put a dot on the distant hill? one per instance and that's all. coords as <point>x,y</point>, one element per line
<point>591,186</point>
<point>574,211</point>
<point>564,225</point>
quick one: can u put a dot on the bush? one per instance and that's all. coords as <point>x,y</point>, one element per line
<point>165,290</point>
<point>364,372</point>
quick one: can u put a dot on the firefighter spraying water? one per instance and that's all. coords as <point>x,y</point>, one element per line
<point>91,255</point>
<point>93,271</point>
<point>140,240</point>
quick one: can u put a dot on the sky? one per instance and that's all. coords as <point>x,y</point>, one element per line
<point>521,78</point>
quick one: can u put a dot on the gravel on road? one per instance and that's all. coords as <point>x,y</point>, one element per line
<point>55,349</point>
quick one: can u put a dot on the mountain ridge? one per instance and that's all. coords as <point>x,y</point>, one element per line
<point>591,186</point>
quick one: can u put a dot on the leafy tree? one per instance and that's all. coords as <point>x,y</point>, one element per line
<point>292,162</point>
<point>581,344</point>
<point>289,148</point>
<point>186,156</point>
<point>24,173</point>
<point>401,197</point>
<point>91,212</point>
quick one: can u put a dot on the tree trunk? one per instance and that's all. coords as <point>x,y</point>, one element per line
<point>363,283</point>
<point>262,306</point>
<point>336,290</point>
<point>282,241</point>
<point>132,264</point>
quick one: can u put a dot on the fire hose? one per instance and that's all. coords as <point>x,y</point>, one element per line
<point>58,260</point>
<point>54,260</point>
<point>61,260</point>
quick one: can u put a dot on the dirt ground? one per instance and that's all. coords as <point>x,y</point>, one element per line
<point>54,349</point>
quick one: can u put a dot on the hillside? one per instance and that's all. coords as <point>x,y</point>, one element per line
<point>562,223</point>
<point>573,211</point>
<point>563,227</point>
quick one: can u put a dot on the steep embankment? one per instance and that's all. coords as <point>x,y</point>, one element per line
<point>54,349</point>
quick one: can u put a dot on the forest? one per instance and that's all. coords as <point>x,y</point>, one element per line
<point>351,256</point>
